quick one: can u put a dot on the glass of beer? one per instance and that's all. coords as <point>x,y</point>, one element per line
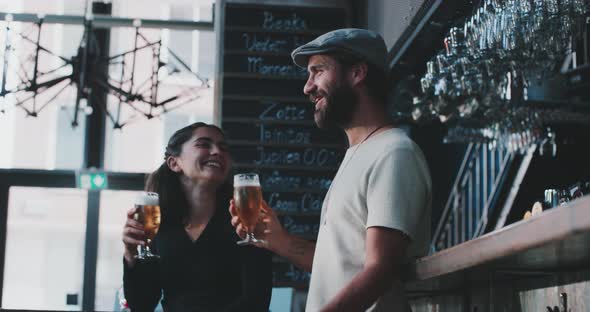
<point>248,199</point>
<point>147,212</point>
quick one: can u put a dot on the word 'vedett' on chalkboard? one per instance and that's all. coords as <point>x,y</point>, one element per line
<point>268,120</point>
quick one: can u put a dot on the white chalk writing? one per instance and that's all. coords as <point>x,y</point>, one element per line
<point>290,23</point>
<point>284,136</point>
<point>309,157</point>
<point>275,111</point>
<point>287,182</point>
<point>253,43</point>
<point>307,203</point>
<point>256,65</point>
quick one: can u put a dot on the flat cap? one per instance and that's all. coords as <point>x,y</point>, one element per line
<point>362,43</point>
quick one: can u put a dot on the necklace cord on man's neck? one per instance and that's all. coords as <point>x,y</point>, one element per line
<point>370,134</point>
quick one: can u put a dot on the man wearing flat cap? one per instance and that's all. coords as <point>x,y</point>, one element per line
<point>376,215</point>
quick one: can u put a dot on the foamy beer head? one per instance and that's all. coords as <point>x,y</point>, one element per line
<point>147,199</point>
<point>246,179</point>
<point>148,212</point>
<point>247,198</point>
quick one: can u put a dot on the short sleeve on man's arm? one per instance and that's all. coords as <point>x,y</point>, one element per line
<point>396,192</point>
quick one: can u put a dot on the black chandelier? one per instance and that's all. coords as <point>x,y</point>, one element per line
<point>89,72</point>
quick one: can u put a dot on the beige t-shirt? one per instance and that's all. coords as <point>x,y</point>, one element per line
<point>382,182</point>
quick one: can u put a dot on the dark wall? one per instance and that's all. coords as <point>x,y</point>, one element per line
<point>443,160</point>
<point>571,165</point>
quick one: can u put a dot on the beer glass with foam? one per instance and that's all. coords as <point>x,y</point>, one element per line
<point>248,199</point>
<point>147,212</point>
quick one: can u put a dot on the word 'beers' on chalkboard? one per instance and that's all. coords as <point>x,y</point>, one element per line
<point>289,23</point>
<point>284,19</point>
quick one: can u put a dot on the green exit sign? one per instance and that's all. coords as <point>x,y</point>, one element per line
<point>92,180</point>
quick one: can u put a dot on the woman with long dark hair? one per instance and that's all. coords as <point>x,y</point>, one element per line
<point>200,267</point>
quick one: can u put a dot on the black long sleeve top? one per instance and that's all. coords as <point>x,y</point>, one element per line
<point>209,274</point>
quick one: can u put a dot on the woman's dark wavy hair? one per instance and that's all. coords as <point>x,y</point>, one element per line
<point>165,182</point>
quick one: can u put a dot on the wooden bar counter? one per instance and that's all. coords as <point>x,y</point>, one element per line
<point>556,240</point>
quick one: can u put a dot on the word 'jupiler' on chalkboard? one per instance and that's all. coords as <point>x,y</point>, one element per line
<point>269,121</point>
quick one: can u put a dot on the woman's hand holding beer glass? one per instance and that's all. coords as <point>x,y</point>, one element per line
<point>142,225</point>
<point>133,235</point>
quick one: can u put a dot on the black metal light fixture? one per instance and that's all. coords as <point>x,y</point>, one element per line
<point>82,71</point>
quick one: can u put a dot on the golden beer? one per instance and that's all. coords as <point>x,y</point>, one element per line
<point>147,212</point>
<point>149,216</point>
<point>247,200</point>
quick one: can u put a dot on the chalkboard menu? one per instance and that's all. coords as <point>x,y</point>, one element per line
<point>269,121</point>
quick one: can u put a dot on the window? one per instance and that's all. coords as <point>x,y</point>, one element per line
<point>109,265</point>
<point>49,142</point>
<point>44,249</point>
<point>38,142</point>
<point>46,227</point>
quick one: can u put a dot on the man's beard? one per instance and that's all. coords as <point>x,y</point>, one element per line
<point>341,103</point>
